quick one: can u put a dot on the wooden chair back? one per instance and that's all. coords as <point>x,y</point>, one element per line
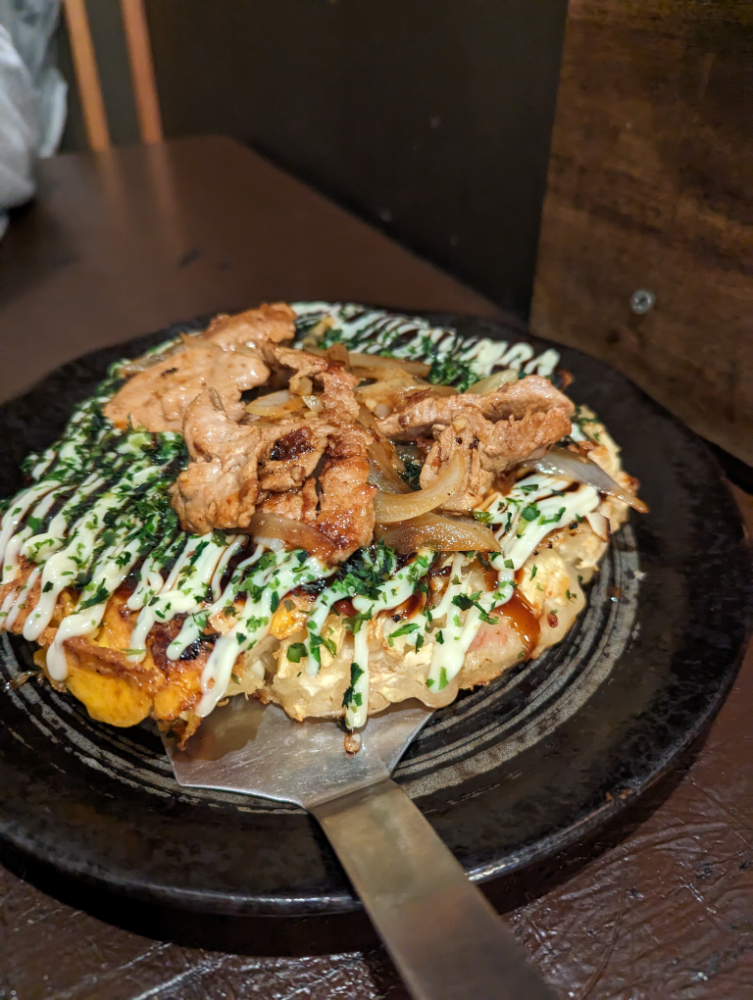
<point>87,73</point>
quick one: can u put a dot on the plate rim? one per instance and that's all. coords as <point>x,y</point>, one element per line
<point>222,902</point>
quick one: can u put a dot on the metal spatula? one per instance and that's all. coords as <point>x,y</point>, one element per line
<point>442,934</point>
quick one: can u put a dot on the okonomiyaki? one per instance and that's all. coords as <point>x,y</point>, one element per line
<point>324,506</point>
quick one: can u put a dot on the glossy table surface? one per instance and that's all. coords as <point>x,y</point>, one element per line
<point>658,906</point>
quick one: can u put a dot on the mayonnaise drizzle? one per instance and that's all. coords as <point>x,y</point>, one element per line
<point>236,543</point>
<point>20,602</point>
<point>62,568</point>
<point>12,562</point>
<point>518,537</point>
<point>183,593</point>
<point>151,581</point>
<point>448,656</point>
<point>18,510</point>
<point>392,593</point>
<point>97,477</point>
<point>275,577</point>
<point>47,542</point>
<point>372,331</point>
<point>195,623</point>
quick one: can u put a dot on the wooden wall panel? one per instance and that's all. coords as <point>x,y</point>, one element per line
<point>650,186</point>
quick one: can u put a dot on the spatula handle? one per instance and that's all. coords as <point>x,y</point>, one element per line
<point>443,935</point>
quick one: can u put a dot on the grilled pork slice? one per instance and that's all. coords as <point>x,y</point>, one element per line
<point>492,432</point>
<point>227,358</point>
<point>157,398</point>
<point>234,467</point>
<point>221,485</point>
<point>269,324</point>
<point>337,398</point>
<point>346,505</point>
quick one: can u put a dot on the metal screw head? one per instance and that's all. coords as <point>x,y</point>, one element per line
<point>641,301</point>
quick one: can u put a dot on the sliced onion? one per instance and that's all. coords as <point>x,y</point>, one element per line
<point>387,389</point>
<point>561,462</point>
<point>386,467</point>
<point>493,382</point>
<point>295,534</point>
<point>366,417</point>
<point>313,403</point>
<point>409,453</point>
<point>338,353</point>
<point>390,508</point>
<point>276,404</point>
<point>190,339</point>
<point>377,361</point>
<point>383,484</point>
<point>599,524</point>
<point>273,544</point>
<point>444,534</point>
<point>301,385</point>
<point>387,454</point>
<point>312,337</point>
<point>144,361</point>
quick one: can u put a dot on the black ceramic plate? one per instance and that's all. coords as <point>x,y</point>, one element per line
<point>508,775</point>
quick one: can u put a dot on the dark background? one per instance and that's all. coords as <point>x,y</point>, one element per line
<point>431,119</point>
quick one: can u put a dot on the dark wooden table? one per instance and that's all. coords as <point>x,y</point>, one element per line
<point>658,907</point>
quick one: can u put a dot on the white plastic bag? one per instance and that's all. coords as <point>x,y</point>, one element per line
<point>32,96</point>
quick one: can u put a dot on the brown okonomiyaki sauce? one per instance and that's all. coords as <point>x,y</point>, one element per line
<point>521,617</point>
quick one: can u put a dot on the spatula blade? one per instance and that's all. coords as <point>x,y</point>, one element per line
<point>245,746</point>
